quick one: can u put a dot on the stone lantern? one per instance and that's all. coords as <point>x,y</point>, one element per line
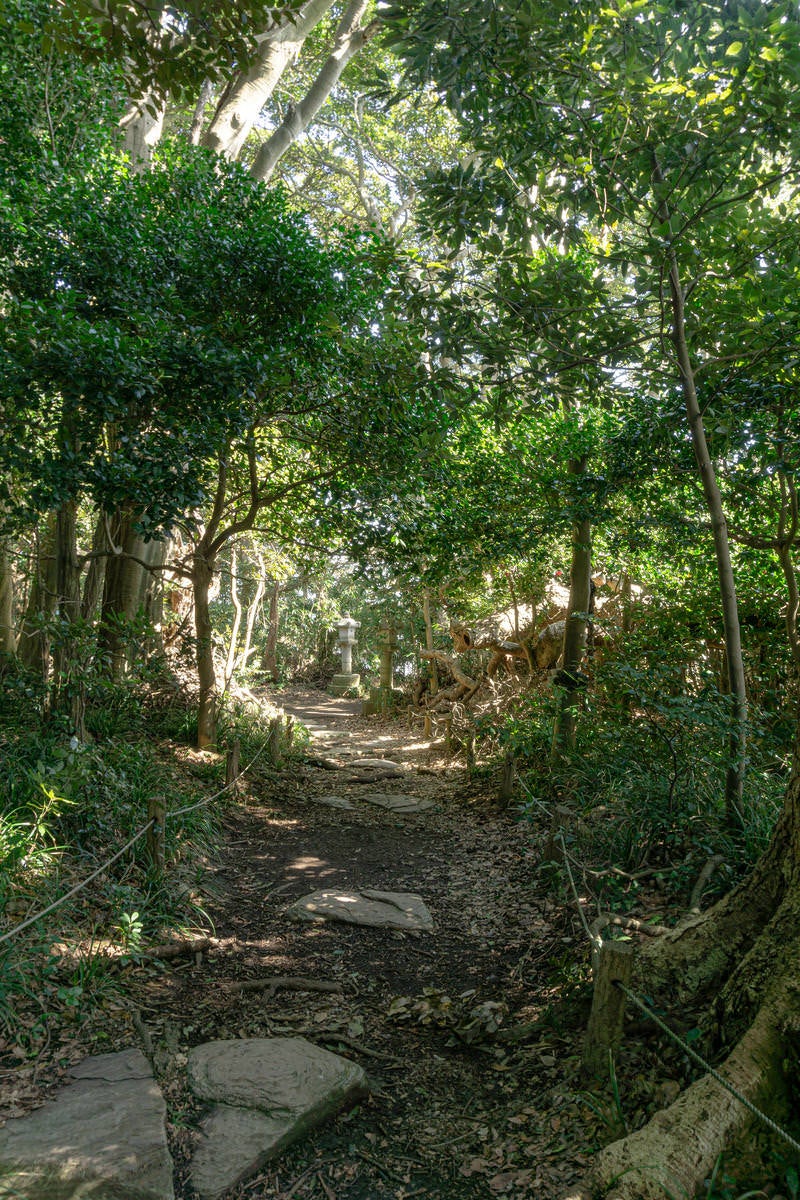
<point>346,639</point>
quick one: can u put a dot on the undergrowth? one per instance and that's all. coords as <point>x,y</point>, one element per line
<point>644,788</point>
<point>66,807</point>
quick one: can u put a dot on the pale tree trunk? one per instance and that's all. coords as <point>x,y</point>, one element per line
<point>202,575</point>
<point>252,613</point>
<point>230,664</point>
<point>627,604</point>
<point>734,781</point>
<point>350,37</point>
<point>96,572</point>
<point>8,642</point>
<point>270,660</point>
<point>142,127</point>
<point>33,647</point>
<point>124,590</point>
<point>575,628</point>
<point>69,655</point>
<point>432,667</point>
<point>244,98</point>
<point>199,115</point>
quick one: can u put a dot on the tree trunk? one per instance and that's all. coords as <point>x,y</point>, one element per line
<point>252,612</point>
<point>199,114</point>
<point>95,576</point>
<point>243,100</point>
<point>230,663</point>
<point>432,667</point>
<point>734,781</point>
<point>124,590</point>
<point>69,655</point>
<point>141,132</point>
<point>8,642</point>
<point>202,575</point>
<point>349,39</point>
<point>270,660</point>
<point>744,954</point>
<point>575,626</point>
<point>33,647</point>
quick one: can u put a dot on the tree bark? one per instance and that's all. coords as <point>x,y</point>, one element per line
<point>270,660</point>
<point>350,37</point>
<point>94,582</point>
<point>744,954</point>
<point>33,647</point>
<point>69,683</point>
<point>575,627</point>
<point>141,132</point>
<point>199,114</point>
<point>230,663</point>
<point>734,781</point>
<point>252,612</point>
<point>202,575</point>
<point>432,667</point>
<point>125,589</point>
<point>243,100</point>
<point>8,641</point>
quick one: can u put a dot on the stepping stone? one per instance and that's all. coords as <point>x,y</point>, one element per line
<point>102,1136</point>
<point>398,804</point>
<point>367,906</point>
<point>332,801</point>
<point>267,1093</point>
<point>375,764</point>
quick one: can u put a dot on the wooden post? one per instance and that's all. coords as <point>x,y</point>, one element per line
<point>289,731</point>
<point>604,1031</point>
<point>275,741</point>
<point>507,781</point>
<point>155,834</point>
<point>469,749</point>
<point>232,766</point>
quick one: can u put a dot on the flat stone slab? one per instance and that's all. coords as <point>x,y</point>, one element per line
<point>398,804</point>
<point>268,1093</point>
<point>332,801</point>
<point>367,906</point>
<point>102,1136</point>
<point>375,764</point>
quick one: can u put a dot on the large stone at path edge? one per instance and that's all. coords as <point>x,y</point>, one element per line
<point>269,1092</point>
<point>367,906</point>
<point>102,1136</point>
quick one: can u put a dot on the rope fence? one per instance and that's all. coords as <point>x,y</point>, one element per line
<point>645,1008</point>
<point>74,890</point>
<point>152,823</point>
<point>620,960</point>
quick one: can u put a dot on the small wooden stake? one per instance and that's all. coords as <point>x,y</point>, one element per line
<point>275,741</point>
<point>155,834</point>
<point>507,781</point>
<point>604,1031</point>
<point>232,766</point>
<point>289,731</point>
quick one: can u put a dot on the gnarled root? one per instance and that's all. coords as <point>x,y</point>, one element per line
<point>677,1149</point>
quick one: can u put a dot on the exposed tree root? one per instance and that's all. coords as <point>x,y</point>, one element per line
<point>747,948</point>
<point>677,1149</point>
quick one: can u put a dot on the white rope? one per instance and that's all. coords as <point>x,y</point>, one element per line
<point>179,812</point>
<point>645,1008</point>
<point>74,890</point>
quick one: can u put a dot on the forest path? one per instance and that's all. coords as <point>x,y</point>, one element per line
<point>446,1118</point>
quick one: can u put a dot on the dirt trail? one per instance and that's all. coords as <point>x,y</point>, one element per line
<point>446,1118</point>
